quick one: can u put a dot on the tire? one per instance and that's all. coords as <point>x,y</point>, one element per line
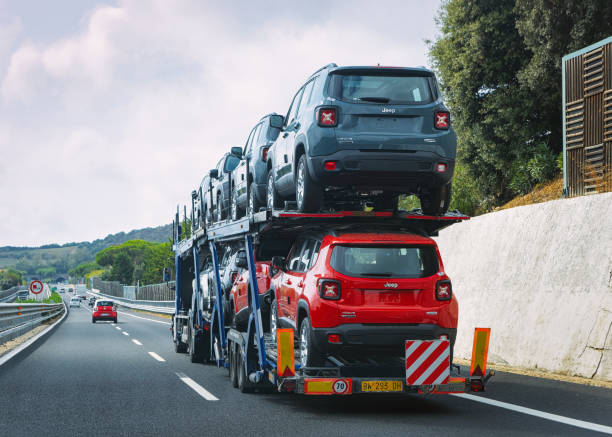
<point>114,320</point>
<point>308,194</point>
<point>273,318</point>
<point>385,203</point>
<point>233,365</point>
<point>234,208</point>
<point>93,320</point>
<point>309,354</point>
<point>195,356</point>
<point>243,383</point>
<point>179,347</point>
<point>436,201</point>
<point>254,204</point>
<point>273,200</point>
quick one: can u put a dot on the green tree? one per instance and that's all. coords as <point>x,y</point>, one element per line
<point>9,278</point>
<point>551,29</point>
<point>83,269</point>
<point>122,269</point>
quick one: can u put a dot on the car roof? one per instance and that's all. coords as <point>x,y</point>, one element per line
<point>381,237</point>
<point>415,70</point>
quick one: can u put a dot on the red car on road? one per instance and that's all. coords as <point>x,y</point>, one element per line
<point>362,293</point>
<point>104,310</point>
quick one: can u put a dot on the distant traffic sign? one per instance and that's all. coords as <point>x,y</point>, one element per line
<point>36,287</point>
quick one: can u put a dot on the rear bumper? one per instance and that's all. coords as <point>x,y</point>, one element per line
<point>111,316</point>
<point>400,172</point>
<point>378,338</point>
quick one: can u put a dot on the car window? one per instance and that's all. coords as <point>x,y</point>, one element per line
<point>386,89</point>
<point>306,96</point>
<point>255,137</point>
<point>294,107</point>
<point>220,166</point>
<point>294,257</point>
<point>306,255</point>
<point>263,133</point>
<point>315,254</point>
<point>391,261</point>
<point>104,303</point>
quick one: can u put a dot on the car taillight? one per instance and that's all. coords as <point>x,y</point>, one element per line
<point>329,289</point>
<point>333,338</point>
<point>234,276</point>
<point>444,290</point>
<point>327,117</point>
<point>264,154</point>
<point>442,120</point>
<point>330,165</point>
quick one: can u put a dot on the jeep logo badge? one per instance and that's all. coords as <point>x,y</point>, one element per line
<point>391,285</point>
<point>391,110</point>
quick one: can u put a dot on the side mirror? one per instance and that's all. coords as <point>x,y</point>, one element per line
<point>278,262</point>
<point>214,173</point>
<point>277,121</point>
<point>237,151</point>
<point>194,194</point>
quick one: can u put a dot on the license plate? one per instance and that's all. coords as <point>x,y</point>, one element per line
<point>104,314</point>
<point>382,386</point>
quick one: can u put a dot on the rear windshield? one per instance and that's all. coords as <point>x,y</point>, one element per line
<point>385,261</point>
<point>407,90</point>
<point>105,303</point>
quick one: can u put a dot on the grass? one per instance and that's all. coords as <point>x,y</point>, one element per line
<point>55,298</point>
<point>543,192</point>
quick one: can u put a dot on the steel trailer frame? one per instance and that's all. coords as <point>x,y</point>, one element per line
<point>259,360</point>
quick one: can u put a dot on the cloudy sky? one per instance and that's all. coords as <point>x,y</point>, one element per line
<point>111,112</point>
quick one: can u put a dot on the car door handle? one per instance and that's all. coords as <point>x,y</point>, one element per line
<point>286,134</point>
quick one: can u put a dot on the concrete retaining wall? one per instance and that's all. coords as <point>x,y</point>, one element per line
<point>540,276</point>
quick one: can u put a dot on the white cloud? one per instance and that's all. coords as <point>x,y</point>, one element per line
<point>116,125</point>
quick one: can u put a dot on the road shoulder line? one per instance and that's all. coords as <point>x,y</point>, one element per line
<point>537,413</point>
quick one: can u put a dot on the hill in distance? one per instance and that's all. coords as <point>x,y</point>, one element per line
<point>66,256</point>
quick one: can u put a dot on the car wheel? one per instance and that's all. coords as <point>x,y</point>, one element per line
<point>273,318</point>
<point>308,194</point>
<point>114,320</point>
<point>383,202</point>
<point>273,200</point>
<point>254,204</point>
<point>437,200</point>
<point>309,354</point>
<point>219,209</point>
<point>233,365</point>
<point>93,320</point>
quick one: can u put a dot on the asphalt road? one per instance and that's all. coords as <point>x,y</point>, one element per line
<point>106,379</point>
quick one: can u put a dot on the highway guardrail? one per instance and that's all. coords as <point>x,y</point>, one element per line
<point>153,306</point>
<point>18,318</point>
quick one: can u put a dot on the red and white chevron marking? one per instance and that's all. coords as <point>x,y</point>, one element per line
<point>427,362</point>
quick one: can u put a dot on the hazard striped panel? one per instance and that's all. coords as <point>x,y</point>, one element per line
<point>427,362</point>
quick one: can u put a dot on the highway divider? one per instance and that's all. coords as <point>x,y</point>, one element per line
<point>540,276</point>
<point>18,318</point>
<point>152,306</point>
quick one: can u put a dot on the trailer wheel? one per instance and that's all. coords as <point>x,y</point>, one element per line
<point>179,347</point>
<point>233,365</point>
<point>243,383</point>
<point>195,349</point>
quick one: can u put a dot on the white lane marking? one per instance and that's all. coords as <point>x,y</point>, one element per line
<point>125,333</point>
<point>136,342</point>
<point>548,416</point>
<point>143,318</point>
<point>197,387</point>
<point>157,357</point>
<point>118,328</point>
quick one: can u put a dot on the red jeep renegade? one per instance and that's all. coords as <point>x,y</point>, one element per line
<point>361,294</point>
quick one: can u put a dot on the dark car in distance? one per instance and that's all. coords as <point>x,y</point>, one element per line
<point>255,157</point>
<point>364,134</point>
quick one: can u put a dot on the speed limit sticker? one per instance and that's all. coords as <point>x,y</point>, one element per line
<point>340,387</point>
